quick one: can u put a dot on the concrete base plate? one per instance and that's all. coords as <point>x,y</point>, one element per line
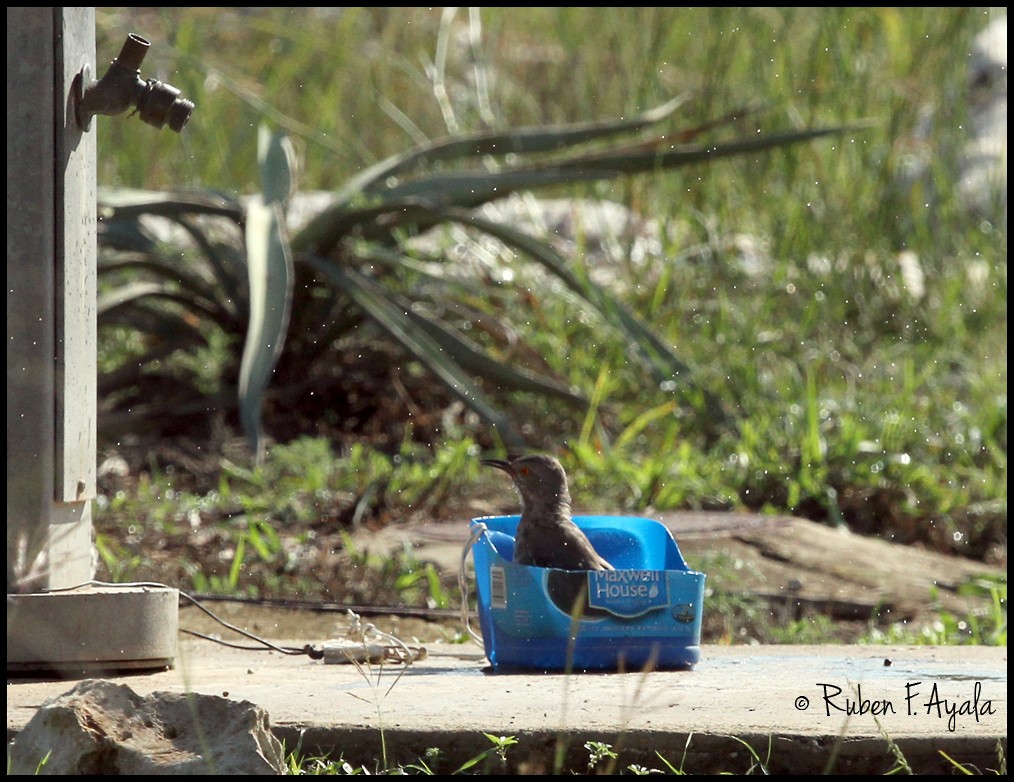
<point>92,630</point>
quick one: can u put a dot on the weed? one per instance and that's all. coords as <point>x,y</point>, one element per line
<point>901,765</point>
<point>756,763</point>
<point>499,750</point>
<point>677,770</point>
<point>597,752</point>
<point>987,628</point>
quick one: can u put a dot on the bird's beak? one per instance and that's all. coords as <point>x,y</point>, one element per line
<point>500,464</point>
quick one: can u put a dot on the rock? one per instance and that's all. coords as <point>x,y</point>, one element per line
<point>979,167</point>
<point>99,727</point>
<point>983,183</point>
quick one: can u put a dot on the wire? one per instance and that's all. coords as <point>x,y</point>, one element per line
<point>319,606</point>
<point>265,645</point>
<point>478,531</point>
<point>313,654</point>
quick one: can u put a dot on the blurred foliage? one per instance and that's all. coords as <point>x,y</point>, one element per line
<point>837,297</point>
<point>292,301</point>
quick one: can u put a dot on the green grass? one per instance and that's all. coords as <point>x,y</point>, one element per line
<point>604,759</point>
<point>860,396</point>
<point>277,527</point>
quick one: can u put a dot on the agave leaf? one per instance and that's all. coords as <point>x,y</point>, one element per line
<point>130,294</point>
<point>127,375</point>
<point>667,369</point>
<point>121,212</point>
<point>474,188</point>
<point>685,135</point>
<point>170,274</point>
<point>125,235</point>
<point>391,313</point>
<point>119,202</point>
<point>227,264</point>
<point>276,159</point>
<point>165,327</point>
<point>666,365</point>
<point>171,332</point>
<point>269,265</point>
<point>332,225</point>
<point>470,189</point>
<point>464,352</point>
<point>319,235</point>
<point>516,141</point>
<point>408,204</point>
<point>168,336</point>
<point>659,154</point>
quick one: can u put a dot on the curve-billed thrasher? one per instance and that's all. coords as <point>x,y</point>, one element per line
<point>546,535</point>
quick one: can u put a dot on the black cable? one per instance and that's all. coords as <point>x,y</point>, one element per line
<point>325,607</point>
<point>313,654</point>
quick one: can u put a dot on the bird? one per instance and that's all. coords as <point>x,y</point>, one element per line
<point>546,535</point>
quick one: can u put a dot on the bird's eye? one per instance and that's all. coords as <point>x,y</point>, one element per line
<point>523,471</point>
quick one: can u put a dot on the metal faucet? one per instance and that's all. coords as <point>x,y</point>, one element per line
<point>122,88</point>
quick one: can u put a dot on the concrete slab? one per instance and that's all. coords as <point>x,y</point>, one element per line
<point>802,709</point>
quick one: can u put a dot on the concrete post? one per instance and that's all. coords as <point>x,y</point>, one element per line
<point>51,294</point>
<point>51,369</point>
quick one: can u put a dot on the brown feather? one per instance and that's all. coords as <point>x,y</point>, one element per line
<point>547,535</point>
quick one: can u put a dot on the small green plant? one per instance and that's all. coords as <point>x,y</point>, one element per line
<point>121,564</point>
<point>901,764</point>
<point>988,628</point>
<point>374,672</point>
<point>40,768</point>
<point>756,764</point>
<point>815,629</point>
<point>499,750</point>
<point>677,770</point>
<point>429,764</point>
<point>271,525</point>
<point>597,752</point>
<point>417,582</point>
<point>639,770</point>
<point>491,760</point>
<point>298,765</point>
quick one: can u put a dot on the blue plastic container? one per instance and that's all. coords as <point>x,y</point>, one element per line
<point>644,614</point>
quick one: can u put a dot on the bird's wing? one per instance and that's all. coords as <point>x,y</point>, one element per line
<point>576,549</point>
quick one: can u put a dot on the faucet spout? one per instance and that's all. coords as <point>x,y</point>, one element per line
<point>122,88</point>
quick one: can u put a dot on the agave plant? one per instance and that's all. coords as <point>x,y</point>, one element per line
<point>283,303</point>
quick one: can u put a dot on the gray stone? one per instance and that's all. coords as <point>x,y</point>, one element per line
<point>983,183</point>
<point>103,728</point>
<point>979,154</point>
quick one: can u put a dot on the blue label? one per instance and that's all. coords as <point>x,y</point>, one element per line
<point>628,593</point>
